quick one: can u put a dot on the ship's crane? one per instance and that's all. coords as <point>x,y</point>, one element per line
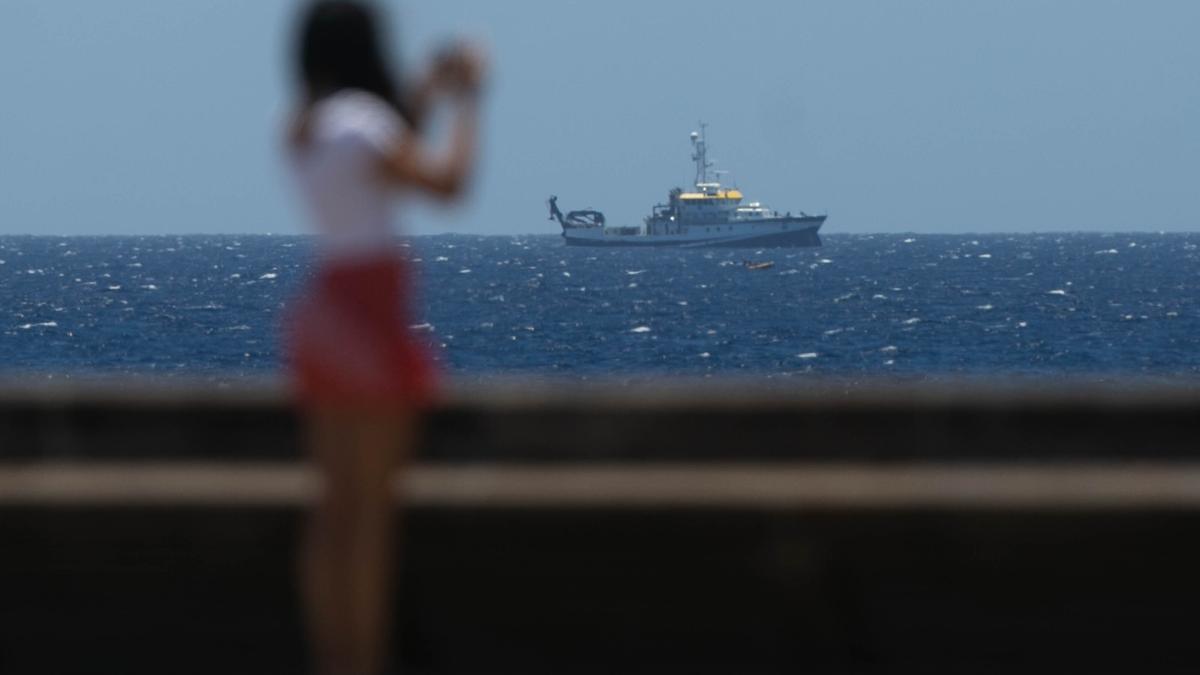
<point>583,218</point>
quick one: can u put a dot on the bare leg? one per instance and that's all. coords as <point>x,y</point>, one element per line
<point>347,558</point>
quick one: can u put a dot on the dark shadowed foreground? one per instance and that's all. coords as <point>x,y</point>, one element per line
<point>962,529</point>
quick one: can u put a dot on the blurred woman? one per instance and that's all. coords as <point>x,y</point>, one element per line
<point>354,148</point>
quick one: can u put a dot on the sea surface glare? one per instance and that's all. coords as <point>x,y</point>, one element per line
<point>908,306</point>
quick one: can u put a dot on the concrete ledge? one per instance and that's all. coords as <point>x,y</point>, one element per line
<point>780,487</point>
<point>961,529</point>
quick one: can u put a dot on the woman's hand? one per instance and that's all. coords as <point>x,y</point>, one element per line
<point>459,70</point>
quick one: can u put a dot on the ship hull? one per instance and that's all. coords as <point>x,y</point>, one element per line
<point>774,233</point>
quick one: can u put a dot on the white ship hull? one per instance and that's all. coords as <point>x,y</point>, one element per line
<point>771,233</point>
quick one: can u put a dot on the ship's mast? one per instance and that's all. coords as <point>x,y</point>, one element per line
<point>700,154</point>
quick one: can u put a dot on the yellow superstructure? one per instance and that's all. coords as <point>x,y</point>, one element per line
<point>735,195</point>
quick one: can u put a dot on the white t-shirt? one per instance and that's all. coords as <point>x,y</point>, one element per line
<point>338,173</point>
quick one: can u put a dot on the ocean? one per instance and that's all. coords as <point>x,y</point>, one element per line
<point>862,307</point>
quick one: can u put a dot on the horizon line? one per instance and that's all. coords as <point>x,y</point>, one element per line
<point>554,234</point>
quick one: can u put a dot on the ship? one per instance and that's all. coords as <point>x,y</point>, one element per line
<point>709,215</point>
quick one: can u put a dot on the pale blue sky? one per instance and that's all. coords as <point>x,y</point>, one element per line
<point>144,116</point>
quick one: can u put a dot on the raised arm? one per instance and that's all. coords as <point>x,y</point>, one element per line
<point>459,74</point>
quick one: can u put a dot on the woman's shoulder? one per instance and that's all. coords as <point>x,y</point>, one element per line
<point>356,100</point>
<point>355,113</point>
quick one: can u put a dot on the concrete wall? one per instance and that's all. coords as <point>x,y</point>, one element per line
<point>952,530</point>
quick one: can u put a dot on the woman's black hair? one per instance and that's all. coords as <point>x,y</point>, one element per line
<point>340,47</point>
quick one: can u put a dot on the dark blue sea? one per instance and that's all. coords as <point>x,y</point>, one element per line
<point>861,307</point>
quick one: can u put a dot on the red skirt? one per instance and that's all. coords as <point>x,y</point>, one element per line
<point>349,343</point>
